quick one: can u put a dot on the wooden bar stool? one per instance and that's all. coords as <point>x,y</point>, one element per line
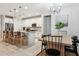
<point>15,38</point>
<point>11,37</point>
<point>18,38</point>
<point>23,40</point>
<point>4,35</point>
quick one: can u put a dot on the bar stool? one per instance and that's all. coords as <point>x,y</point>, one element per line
<point>18,38</point>
<point>23,40</point>
<point>15,38</point>
<point>11,37</point>
<point>4,35</point>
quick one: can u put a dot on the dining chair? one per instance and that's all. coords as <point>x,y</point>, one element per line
<point>72,48</point>
<point>52,45</point>
<point>44,42</point>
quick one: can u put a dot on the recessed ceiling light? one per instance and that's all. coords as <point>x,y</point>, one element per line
<point>20,7</point>
<point>14,9</point>
<point>26,7</point>
<point>17,10</point>
<point>10,11</point>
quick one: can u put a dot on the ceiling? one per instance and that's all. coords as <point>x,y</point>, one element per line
<point>32,8</point>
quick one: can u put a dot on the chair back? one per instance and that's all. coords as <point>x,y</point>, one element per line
<point>74,43</point>
<point>44,41</point>
<point>52,42</point>
<point>56,42</point>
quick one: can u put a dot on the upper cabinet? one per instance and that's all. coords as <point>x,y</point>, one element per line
<point>46,24</point>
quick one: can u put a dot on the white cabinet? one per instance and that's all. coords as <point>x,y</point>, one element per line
<point>47,24</point>
<point>1,26</point>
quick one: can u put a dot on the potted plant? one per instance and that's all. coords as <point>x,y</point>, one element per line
<point>59,25</point>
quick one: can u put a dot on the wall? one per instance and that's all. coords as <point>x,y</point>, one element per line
<point>18,25</point>
<point>73,19</point>
<point>53,21</point>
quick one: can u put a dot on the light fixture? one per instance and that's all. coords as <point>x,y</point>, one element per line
<point>55,8</point>
<point>10,11</point>
<point>17,10</point>
<point>26,7</point>
<point>14,12</point>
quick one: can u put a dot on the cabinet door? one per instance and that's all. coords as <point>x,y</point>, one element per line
<point>47,25</point>
<point>9,27</point>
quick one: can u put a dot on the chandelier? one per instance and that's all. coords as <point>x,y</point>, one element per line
<point>55,8</point>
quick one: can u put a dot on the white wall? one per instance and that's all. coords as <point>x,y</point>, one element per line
<point>18,25</point>
<point>53,21</point>
<point>73,19</point>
